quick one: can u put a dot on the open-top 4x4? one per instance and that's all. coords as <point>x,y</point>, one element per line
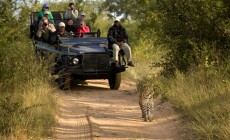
<point>79,58</point>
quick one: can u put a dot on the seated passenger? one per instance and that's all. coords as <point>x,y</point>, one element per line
<point>45,29</point>
<point>81,18</point>
<point>82,29</point>
<point>61,31</point>
<point>41,13</point>
<point>46,14</point>
<point>44,18</point>
<point>71,12</point>
<point>69,27</point>
<point>117,38</point>
<point>84,18</point>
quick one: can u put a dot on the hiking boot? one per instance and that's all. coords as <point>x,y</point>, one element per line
<point>130,63</point>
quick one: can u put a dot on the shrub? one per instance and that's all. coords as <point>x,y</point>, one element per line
<point>27,106</point>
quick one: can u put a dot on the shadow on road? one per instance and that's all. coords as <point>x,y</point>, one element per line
<point>91,85</point>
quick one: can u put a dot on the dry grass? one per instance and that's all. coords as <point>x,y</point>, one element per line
<point>27,105</point>
<point>28,114</point>
<point>202,97</point>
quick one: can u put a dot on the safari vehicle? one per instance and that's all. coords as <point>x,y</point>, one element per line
<point>79,58</point>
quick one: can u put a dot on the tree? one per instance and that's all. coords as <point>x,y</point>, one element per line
<point>119,8</point>
<point>194,31</point>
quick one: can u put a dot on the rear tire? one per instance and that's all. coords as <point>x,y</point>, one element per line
<point>115,81</point>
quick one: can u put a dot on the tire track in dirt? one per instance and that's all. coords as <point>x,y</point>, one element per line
<point>96,112</point>
<point>73,123</point>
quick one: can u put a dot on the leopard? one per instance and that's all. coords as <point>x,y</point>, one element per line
<point>146,102</point>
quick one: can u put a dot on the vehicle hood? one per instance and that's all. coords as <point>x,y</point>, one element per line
<point>87,49</point>
<point>84,45</point>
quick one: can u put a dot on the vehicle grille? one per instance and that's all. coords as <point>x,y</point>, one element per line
<point>95,62</point>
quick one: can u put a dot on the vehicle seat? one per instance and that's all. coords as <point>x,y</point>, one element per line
<point>58,15</point>
<point>53,38</point>
<point>57,21</point>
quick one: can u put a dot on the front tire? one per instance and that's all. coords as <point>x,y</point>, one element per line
<point>64,82</point>
<point>115,81</point>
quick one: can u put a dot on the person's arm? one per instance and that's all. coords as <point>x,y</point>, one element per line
<point>110,36</point>
<point>51,17</point>
<point>39,32</point>
<point>79,32</point>
<point>86,29</point>
<point>67,14</point>
<point>75,13</point>
<point>52,28</point>
<point>124,35</point>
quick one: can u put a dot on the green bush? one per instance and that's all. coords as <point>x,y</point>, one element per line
<point>193,31</point>
<point>27,106</point>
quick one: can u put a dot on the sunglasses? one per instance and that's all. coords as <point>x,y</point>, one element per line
<point>45,24</point>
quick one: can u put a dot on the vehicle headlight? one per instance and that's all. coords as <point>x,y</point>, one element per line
<point>75,61</point>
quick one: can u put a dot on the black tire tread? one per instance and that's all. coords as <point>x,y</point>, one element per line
<point>115,81</point>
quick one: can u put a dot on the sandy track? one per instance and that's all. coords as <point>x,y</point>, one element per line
<point>96,112</point>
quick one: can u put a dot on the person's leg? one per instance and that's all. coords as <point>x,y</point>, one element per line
<point>116,50</point>
<point>128,53</point>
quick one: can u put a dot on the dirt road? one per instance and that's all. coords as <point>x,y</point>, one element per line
<point>96,112</point>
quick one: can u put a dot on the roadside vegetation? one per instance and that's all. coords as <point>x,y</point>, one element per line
<point>27,105</point>
<point>180,47</point>
<point>183,51</point>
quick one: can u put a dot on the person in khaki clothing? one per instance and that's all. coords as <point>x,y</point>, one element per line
<point>118,38</point>
<point>45,29</point>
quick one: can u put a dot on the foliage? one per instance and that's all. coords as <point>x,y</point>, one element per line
<point>193,31</point>
<point>203,99</point>
<point>120,8</point>
<point>27,105</point>
<point>190,41</point>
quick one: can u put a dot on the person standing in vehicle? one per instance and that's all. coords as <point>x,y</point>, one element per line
<point>118,39</point>
<point>71,12</point>
<point>41,13</point>
<point>45,29</point>
<point>82,29</point>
